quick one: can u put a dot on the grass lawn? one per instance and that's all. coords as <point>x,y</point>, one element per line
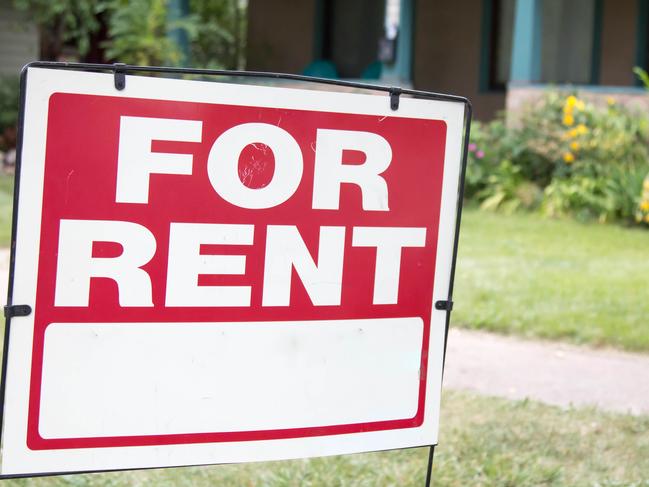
<point>523,274</point>
<point>483,442</point>
<point>6,206</point>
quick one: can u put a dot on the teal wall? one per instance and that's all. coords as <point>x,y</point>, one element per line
<point>526,51</point>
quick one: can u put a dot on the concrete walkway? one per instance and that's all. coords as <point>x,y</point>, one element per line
<point>549,372</point>
<point>553,373</point>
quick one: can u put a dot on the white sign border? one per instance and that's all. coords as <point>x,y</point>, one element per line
<point>41,83</point>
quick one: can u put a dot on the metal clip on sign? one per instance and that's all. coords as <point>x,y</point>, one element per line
<point>17,310</point>
<point>120,76</point>
<point>336,106</point>
<point>444,305</point>
<point>394,98</point>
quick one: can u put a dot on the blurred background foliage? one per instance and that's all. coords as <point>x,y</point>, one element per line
<point>209,34</point>
<point>9,103</point>
<point>564,156</point>
<point>99,31</point>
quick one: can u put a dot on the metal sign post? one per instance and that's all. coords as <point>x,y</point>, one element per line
<point>212,272</point>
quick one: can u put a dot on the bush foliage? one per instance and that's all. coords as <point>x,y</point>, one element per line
<point>137,32</point>
<point>9,102</point>
<point>141,33</point>
<point>564,157</point>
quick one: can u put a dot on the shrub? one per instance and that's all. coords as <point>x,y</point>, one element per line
<point>219,37</point>
<point>610,197</point>
<point>642,210</point>
<point>567,156</point>
<point>481,162</point>
<point>605,160</point>
<point>138,33</point>
<point>9,106</point>
<point>642,75</point>
<point>508,190</point>
<point>492,178</point>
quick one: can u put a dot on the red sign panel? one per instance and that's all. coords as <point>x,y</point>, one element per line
<point>227,273</point>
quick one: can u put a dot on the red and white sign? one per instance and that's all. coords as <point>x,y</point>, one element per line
<point>225,273</point>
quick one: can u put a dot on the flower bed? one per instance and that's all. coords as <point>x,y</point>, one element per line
<point>565,157</point>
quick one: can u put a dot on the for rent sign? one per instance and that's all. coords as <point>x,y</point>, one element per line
<point>225,273</point>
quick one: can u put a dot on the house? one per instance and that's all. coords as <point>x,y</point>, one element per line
<point>19,39</point>
<point>498,53</point>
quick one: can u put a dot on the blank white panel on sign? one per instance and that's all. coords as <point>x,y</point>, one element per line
<point>129,379</point>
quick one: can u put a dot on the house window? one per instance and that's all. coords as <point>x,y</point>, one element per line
<point>499,15</point>
<point>642,36</point>
<point>568,34</point>
<point>351,31</point>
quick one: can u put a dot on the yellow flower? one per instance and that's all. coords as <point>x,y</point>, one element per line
<point>574,145</point>
<point>568,120</point>
<point>645,185</point>
<point>579,105</point>
<point>572,133</point>
<point>571,101</point>
<point>582,129</point>
<point>644,206</point>
<point>568,157</point>
<point>610,100</point>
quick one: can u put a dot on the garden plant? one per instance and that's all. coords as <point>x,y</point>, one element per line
<point>564,157</point>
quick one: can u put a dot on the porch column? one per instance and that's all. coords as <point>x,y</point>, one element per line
<point>526,50</point>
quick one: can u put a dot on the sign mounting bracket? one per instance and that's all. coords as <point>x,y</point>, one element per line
<point>120,76</point>
<point>395,93</point>
<point>17,310</point>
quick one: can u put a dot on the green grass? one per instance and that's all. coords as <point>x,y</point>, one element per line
<point>483,442</point>
<point>6,206</point>
<point>523,274</point>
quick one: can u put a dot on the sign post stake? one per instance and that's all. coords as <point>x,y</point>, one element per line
<point>429,470</point>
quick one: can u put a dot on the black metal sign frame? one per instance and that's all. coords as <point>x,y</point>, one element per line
<point>120,71</point>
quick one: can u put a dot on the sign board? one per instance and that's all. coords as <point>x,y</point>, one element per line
<point>225,273</point>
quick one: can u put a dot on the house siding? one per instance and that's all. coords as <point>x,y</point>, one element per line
<point>280,35</point>
<point>618,42</point>
<point>448,37</point>
<point>18,40</point>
